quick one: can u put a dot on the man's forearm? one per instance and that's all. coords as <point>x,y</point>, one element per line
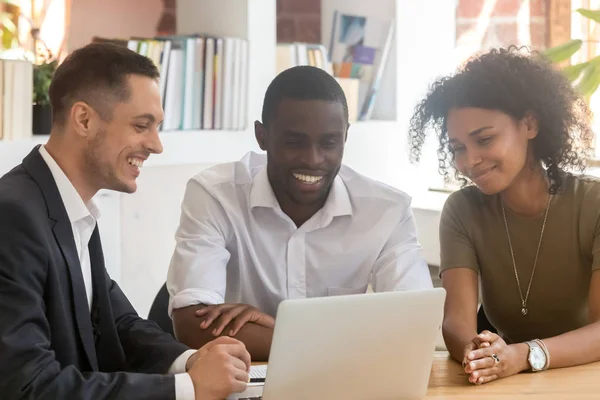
<point>257,338</point>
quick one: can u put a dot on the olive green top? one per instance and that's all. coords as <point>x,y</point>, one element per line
<point>473,235</point>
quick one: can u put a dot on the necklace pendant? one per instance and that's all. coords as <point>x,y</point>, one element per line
<point>524,310</point>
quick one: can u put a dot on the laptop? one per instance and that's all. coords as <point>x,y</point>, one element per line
<point>366,346</point>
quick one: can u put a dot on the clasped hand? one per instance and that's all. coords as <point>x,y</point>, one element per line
<point>488,357</point>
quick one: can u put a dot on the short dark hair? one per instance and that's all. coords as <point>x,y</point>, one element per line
<point>302,83</point>
<point>96,74</point>
<point>515,81</point>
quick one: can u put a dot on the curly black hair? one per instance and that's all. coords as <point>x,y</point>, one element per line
<point>515,81</point>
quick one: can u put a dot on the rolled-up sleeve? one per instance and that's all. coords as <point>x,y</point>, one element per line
<point>400,265</point>
<point>197,273</point>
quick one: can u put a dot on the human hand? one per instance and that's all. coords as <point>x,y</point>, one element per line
<point>221,315</point>
<point>497,360</point>
<point>476,343</point>
<point>220,368</point>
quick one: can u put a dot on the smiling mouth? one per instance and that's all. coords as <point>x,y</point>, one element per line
<point>482,173</point>
<point>136,162</point>
<point>308,179</point>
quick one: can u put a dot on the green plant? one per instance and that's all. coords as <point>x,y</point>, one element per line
<point>585,75</point>
<point>42,76</point>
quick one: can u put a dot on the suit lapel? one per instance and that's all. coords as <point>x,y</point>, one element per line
<point>64,236</point>
<point>37,168</point>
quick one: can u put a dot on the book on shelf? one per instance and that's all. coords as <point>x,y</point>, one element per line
<point>203,82</point>
<point>289,55</point>
<point>16,99</point>
<point>359,48</point>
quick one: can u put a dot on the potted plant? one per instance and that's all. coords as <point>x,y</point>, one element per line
<point>42,113</point>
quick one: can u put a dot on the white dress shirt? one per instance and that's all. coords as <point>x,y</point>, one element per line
<point>83,219</point>
<point>234,244</point>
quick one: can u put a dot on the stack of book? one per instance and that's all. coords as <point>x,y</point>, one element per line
<point>16,99</point>
<point>359,49</point>
<point>289,55</point>
<point>204,79</point>
<point>293,54</point>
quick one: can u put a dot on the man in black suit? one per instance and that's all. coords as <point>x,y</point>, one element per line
<point>66,329</point>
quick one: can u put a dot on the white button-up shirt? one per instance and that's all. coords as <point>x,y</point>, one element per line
<point>82,216</point>
<point>234,244</point>
<point>83,219</point>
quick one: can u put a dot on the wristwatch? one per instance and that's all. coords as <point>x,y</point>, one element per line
<point>537,356</point>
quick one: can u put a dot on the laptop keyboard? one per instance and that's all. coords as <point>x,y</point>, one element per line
<point>258,372</point>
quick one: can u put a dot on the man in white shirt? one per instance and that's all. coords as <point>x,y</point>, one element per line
<point>295,223</point>
<point>67,331</point>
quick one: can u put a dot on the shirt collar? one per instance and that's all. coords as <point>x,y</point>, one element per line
<point>261,193</point>
<point>76,208</point>
<point>338,202</point>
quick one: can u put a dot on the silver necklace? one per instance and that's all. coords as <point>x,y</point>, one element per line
<point>512,254</point>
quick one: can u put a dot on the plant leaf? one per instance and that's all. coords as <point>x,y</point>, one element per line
<point>564,51</point>
<point>591,14</point>
<point>589,81</point>
<point>573,72</point>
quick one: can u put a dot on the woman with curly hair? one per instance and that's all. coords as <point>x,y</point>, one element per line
<point>526,224</point>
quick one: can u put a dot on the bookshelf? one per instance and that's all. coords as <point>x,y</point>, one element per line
<point>255,20</point>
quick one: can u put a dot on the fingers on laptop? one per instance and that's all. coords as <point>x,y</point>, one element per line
<point>239,351</point>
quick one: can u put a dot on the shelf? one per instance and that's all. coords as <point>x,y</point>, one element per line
<point>210,146</point>
<point>180,147</point>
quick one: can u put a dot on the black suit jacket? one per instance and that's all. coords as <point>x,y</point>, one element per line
<point>51,345</point>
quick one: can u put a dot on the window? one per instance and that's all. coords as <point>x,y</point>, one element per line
<point>588,31</point>
<point>50,17</point>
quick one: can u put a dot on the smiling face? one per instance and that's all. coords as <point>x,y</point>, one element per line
<point>305,145</point>
<point>490,147</point>
<point>118,147</point>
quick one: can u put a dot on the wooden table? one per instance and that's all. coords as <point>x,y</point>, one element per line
<point>449,381</point>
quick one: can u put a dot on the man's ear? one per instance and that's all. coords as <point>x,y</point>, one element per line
<point>84,119</point>
<point>260,132</point>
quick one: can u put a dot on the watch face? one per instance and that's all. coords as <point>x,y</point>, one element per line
<point>537,359</point>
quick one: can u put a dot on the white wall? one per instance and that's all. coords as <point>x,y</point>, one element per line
<point>149,219</point>
<point>112,19</point>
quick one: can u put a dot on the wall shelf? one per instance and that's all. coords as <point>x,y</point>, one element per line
<point>212,146</point>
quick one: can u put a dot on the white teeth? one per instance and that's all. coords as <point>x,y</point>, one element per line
<point>310,179</point>
<point>136,162</point>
